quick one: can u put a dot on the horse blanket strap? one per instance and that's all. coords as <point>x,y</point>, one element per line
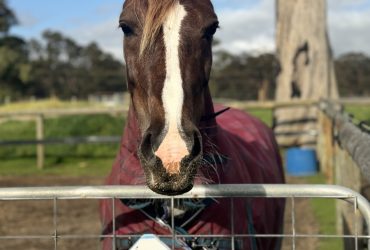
<point>194,244</point>
<point>214,115</point>
<point>251,228</point>
<point>159,210</point>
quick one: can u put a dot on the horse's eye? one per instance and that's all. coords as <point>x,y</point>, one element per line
<point>210,31</point>
<point>127,30</point>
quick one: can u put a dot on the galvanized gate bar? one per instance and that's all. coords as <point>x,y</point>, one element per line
<point>215,191</point>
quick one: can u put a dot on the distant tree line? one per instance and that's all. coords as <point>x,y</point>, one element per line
<point>243,77</point>
<point>353,74</point>
<point>246,77</point>
<point>57,66</point>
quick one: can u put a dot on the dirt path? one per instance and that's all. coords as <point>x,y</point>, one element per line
<point>82,218</point>
<point>36,218</point>
<point>305,223</point>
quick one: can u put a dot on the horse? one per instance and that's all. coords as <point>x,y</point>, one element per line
<point>175,137</point>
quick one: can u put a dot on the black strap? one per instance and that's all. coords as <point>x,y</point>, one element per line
<point>214,115</point>
<point>154,209</point>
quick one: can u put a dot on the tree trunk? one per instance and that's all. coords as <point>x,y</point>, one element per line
<point>306,68</point>
<point>263,91</point>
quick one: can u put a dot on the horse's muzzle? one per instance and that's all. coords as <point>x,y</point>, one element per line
<point>164,182</point>
<point>160,181</point>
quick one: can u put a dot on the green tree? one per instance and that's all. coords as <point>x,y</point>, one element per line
<point>56,66</point>
<point>63,68</point>
<point>14,67</point>
<point>353,74</point>
<point>243,76</point>
<point>7,18</point>
<point>107,73</point>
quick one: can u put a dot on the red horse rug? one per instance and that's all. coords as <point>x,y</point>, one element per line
<point>237,149</point>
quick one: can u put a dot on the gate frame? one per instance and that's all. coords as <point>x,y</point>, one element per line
<point>215,191</point>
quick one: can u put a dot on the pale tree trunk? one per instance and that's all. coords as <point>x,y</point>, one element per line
<point>306,67</point>
<point>263,91</point>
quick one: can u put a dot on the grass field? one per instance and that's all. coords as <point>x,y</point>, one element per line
<point>361,113</point>
<point>45,104</point>
<point>77,160</point>
<point>96,160</point>
<point>66,159</point>
<point>324,211</point>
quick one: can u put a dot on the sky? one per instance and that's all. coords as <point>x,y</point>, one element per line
<point>246,25</point>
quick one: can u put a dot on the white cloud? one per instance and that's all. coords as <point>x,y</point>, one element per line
<point>252,29</point>
<point>349,29</point>
<point>248,30</point>
<point>27,20</point>
<point>340,4</point>
<point>243,30</point>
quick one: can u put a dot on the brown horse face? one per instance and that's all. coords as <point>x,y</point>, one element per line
<point>166,83</point>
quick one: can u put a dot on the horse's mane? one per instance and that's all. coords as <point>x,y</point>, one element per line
<point>155,17</point>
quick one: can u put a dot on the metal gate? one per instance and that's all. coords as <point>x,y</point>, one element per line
<point>291,192</point>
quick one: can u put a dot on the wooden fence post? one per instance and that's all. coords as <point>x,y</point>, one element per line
<point>321,141</point>
<point>40,137</point>
<point>325,146</point>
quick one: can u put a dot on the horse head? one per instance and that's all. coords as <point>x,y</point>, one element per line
<point>168,53</point>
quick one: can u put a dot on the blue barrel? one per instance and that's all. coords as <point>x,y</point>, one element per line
<point>301,162</point>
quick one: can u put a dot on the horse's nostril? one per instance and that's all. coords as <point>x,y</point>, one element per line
<point>197,146</point>
<point>146,147</point>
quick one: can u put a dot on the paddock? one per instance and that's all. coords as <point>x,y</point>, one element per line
<point>342,163</point>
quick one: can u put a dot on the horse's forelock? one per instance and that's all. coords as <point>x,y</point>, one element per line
<point>155,17</point>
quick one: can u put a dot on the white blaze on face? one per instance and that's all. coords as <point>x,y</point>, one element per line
<point>173,148</point>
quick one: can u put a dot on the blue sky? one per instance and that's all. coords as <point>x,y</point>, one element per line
<point>37,15</point>
<point>247,25</point>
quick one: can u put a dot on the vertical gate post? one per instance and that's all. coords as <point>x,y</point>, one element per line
<point>40,137</point>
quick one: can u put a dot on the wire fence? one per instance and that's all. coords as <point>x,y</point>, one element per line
<point>353,138</point>
<point>360,206</point>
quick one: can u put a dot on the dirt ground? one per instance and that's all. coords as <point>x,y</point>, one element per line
<point>82,218</point>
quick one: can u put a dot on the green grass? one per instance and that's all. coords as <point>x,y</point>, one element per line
<point>57,155</point>
<point>325,209</point>
<point>65,166</point>
<point>67,160</point>
<point>361,113</point>
<point>264,115</point>
<point>325,213</point>
<point>71,126</point>
<point>51,103</point>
